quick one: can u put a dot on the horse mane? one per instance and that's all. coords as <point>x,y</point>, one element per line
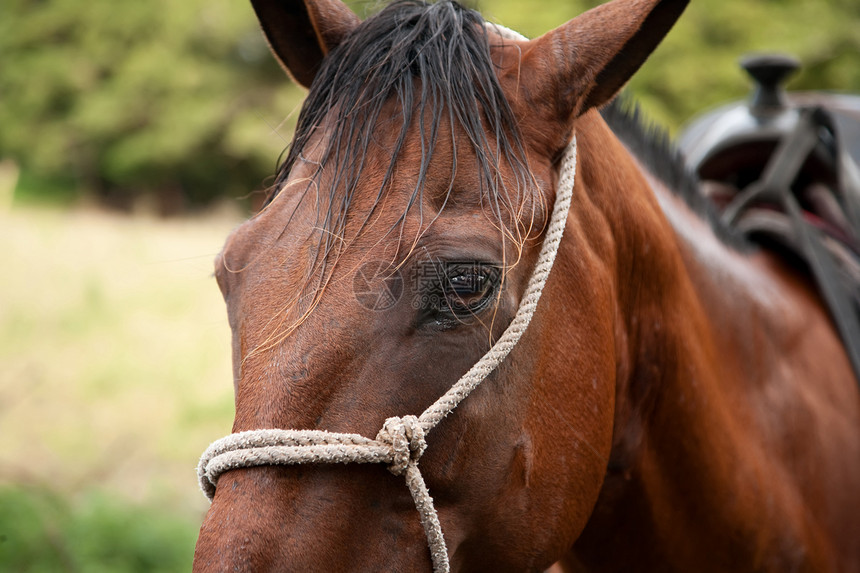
<point>653,147</point>
<point>445,47</point>
<point>433,59</point>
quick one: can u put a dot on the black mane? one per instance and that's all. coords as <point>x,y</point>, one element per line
<point>659,155</point>
<point>446,47</point>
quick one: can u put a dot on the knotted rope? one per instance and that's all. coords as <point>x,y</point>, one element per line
<point>400,443</point>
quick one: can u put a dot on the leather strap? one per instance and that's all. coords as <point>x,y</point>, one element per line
<point>775,185</point>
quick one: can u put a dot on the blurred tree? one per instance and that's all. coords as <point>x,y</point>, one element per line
<point>696,67</point>
<point>181,102</point>
<point>176,101</point>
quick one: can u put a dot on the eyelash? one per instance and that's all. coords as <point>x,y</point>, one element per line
<point>459,291</point>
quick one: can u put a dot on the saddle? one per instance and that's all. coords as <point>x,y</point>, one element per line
<point>787,177</point>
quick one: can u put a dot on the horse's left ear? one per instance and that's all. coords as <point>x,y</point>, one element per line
<point>585,62</point>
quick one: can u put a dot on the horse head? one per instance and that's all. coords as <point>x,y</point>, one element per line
<point>394,251</point>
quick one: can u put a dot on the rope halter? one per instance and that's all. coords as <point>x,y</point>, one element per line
<point>405,437</point>
<point>400,443</point>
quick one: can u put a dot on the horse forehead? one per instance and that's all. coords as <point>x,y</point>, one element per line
<point>451,183</point>
<point>254,237</point>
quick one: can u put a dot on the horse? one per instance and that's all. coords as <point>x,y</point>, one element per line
<point>676,398</point>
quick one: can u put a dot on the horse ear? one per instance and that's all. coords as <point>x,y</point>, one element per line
<point>585,62</point>
<point>302,32</point>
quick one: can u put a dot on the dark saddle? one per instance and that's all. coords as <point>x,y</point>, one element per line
<point>783,171</point>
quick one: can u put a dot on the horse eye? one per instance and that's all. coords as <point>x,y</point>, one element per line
<point>460,291</point>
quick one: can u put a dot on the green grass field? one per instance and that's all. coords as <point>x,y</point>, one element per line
<point>114,376</point>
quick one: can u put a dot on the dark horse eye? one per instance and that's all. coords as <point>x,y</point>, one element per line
<point>459,290</point>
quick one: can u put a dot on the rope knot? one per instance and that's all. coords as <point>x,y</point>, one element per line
<point>405,436</point>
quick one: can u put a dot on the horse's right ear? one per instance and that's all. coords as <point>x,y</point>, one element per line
<point>302,32</point>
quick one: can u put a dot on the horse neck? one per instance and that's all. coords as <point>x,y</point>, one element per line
<point>704,335</point>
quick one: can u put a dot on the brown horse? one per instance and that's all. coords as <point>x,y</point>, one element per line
<point>679,402</point>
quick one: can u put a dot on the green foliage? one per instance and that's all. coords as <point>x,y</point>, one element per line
<point>41,531</point>
<point>182,101</point>
<point>696,67</point>
<point>140,97</point>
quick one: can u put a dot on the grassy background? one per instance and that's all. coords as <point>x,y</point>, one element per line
<point>114,376</point>
<point>114,347</point>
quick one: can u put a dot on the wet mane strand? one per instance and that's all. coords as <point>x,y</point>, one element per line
<point>445,47</point>
<point>433,60</point>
